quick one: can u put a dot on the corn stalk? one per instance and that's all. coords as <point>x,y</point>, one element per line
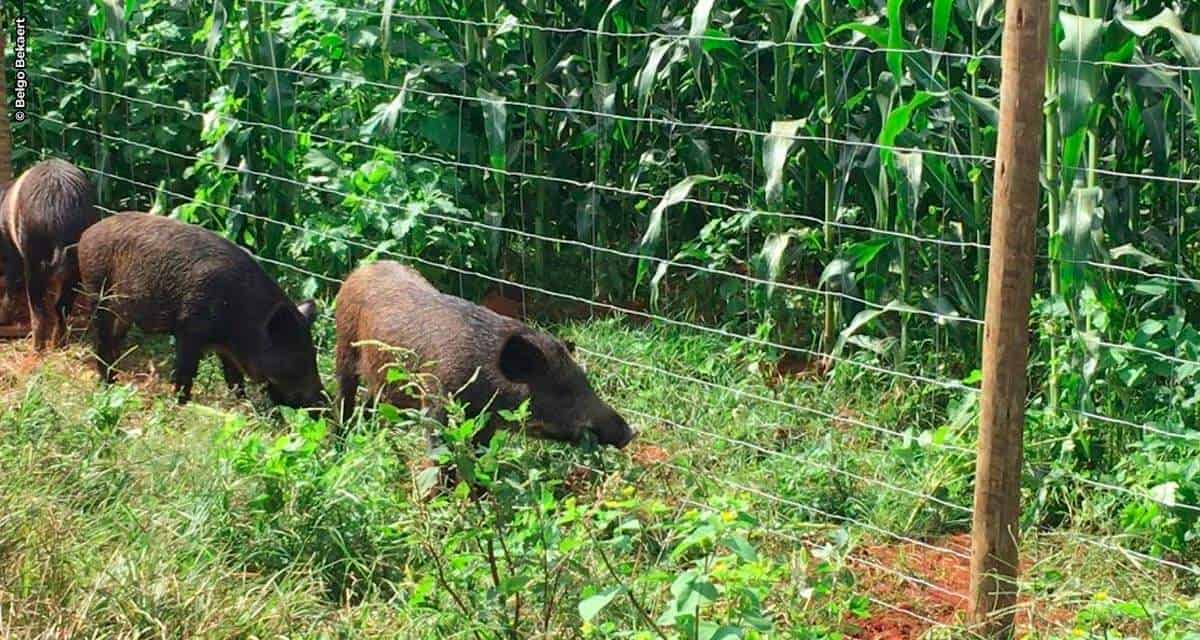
<point>979,206</point>
<point>542,136</point>
<point>830,319</point>
<point>1054,194</point>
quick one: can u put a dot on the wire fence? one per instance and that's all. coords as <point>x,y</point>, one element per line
<point>118,153</point>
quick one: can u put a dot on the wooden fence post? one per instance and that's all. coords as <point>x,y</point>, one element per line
<point>994,563</point>
<point>5,131</point>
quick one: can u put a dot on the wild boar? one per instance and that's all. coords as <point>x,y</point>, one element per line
<point>9,300</point>
<point>482,358</point>
<point>42,216</point>
<point>166,276</point>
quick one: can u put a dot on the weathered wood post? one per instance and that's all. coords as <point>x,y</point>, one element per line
<point>994,566</point>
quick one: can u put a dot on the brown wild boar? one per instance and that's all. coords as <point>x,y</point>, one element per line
<point>166,276</point>
<point>42,216</point>
<point>483,358</point>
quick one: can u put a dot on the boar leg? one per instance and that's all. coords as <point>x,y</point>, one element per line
<point>13,280</point>
<point>346,363</point>
<point>65,303</point>
<point>348,392</point>
<point>104,343</point>
<point>35,290</point>
<point>189,348</point>
<point>233,376</point>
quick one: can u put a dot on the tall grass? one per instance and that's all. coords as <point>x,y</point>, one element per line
<point>124,515</point>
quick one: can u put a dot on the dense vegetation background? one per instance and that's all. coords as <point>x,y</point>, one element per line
<point>803,188</point>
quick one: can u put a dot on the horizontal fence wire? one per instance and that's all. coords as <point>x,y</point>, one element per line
<point>833,417</point>
<point>680,37</point>
<point>1109,266</point>
<point>959,244</point>
<point>696,126</point>
<point>760,43</point>
<point>1137,557</point>
<point>977,159</point>
<point>566,241</point>
<point>779,454</point>
<point>788,502</point>
<point>774,531</point>
<point>945,384</point>
<point>811,510</point>
<point>461,271</point>
<point>613,359</point>
<point>917,378</point>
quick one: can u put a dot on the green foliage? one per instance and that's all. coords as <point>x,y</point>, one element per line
<point>495,138</point>
<point>343,123</point>
<point>122,513</point>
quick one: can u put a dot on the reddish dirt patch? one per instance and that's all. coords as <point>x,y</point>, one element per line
<point>19,328</point>
<point>515,302</point>
<point>880,566</point>
<point>579,480</point>
<point>506,301</point>
<point>22,365</point>
<point>649,455</point>
<point>793,367</point>
<point>145,378</point>
<point>895,573</point>
<point>891,625</point>
<point>14,331</point>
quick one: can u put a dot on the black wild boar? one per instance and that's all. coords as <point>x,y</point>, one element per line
<point>42,216</point>
<point>467,350</point>
<point>166,276</point>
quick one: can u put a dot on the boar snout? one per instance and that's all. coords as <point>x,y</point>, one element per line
<point>305,398</point>
<point>563,401</point>
<point>614,431</point>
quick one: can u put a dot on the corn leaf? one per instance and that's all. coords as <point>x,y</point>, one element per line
<point>942,10</point>
<point>797,18</point>
<point>772,256</point>
<point>865,317</point>
<point>495,116</point>
<point>896,42</point>
<point>776,148</point>
<point>385,116</point>
<point>1078,230</point>
<point>701,14</point>
<point>216,28</point>
<point>911,167</point>
<point>1079,81</point>
<point>898,121</point>
<point>1188,44</point>
<point>674,196</point>
<point>385,33</point>
<point>646,75</point>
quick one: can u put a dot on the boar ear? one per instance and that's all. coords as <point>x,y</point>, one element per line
<point>570,345</point>
<point>521,360</point>
<point>284,323</point>
<point>308,310</point>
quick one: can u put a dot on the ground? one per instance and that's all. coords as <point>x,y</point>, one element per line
<point>121,513</point>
